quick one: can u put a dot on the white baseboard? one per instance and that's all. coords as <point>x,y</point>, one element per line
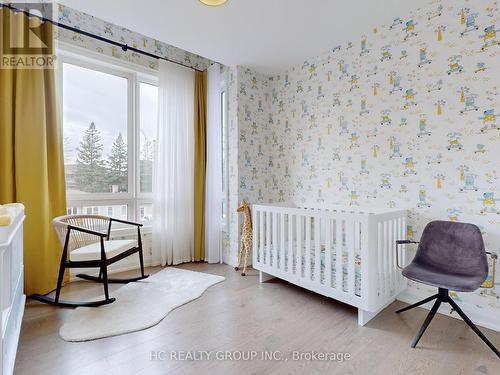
<point>483,319</point>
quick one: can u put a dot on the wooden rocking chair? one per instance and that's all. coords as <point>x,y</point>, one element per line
<point>86,244</point>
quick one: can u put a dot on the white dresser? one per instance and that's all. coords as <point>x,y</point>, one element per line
<point>12,297</point>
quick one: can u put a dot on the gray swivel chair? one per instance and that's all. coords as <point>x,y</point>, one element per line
<point>450,256</point>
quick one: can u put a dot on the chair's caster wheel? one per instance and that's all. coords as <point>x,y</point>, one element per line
<point>243,274</point>
<point>236,268</point>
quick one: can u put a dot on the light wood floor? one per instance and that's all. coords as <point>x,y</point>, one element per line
<point>241,314</point>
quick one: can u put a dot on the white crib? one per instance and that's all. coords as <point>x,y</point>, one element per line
<point>12,296</point>
<point>293,243</point>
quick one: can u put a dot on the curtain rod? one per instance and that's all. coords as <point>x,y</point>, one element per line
<point>124,47</point>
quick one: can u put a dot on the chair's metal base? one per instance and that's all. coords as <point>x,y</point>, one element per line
<point>99,279</point>
<point>441,297</point>
<point>73,304</point>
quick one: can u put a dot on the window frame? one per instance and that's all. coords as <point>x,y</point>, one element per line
<point>135,74</point>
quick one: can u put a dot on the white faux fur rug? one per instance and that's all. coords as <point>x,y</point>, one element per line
<point>139,305</point>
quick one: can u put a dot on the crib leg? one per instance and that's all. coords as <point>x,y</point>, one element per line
<point>365,316</point>
<point>263,277</point>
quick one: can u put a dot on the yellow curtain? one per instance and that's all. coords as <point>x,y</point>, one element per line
<point>200,157</point>
<point>32,165</point>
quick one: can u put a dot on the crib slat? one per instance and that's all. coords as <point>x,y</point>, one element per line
<point>267,256</point>
<point>274,247</point>
<point>362,229</point>
<point>298,244</point>
<point>308,269</point>
<point>261,236</point>
<point>368,288</point>
<point>317,248</point>
<point>289,264</point>
<point>383,254</point>
<point>350,234</point>
<point>255,236</point>
<point>339,271</point>
<point>389,254</point>
<point>399,236</point>
<point>403,236</point>
<point>393,255</point>
<point>328,252</point>
<point>393,252</point>
<point>282,242</point>
<point>386,259</point>
<point>380,265</point>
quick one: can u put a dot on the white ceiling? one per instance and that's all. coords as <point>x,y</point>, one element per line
<point>266,35</point>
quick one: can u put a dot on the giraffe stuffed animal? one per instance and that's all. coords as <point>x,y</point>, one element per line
<point>246,236</point>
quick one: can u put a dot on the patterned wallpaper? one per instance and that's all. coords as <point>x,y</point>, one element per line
<point>248,113</point>
<point>231,235</point>
<point>405,116</point>
<point>84,21</point>
<point>258,143</point>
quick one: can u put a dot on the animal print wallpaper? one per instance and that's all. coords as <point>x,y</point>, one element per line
<point>404,116</point>
<point>231,233</point>
<point>87,22</point>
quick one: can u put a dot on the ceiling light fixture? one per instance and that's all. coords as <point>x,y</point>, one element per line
<point>213,3</point>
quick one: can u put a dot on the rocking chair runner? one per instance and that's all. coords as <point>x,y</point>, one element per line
<point>86,244</point>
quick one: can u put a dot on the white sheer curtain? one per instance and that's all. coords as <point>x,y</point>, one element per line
<point>174,169</point>
<point>213,197</point>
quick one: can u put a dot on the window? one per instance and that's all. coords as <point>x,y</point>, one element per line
<point>148,109</point>
<point>105,210</point>
<point>95,131</point>
<point>92,210</point>
<point>146,212</point>
<point>109,128</point>
<point>72,211</point>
